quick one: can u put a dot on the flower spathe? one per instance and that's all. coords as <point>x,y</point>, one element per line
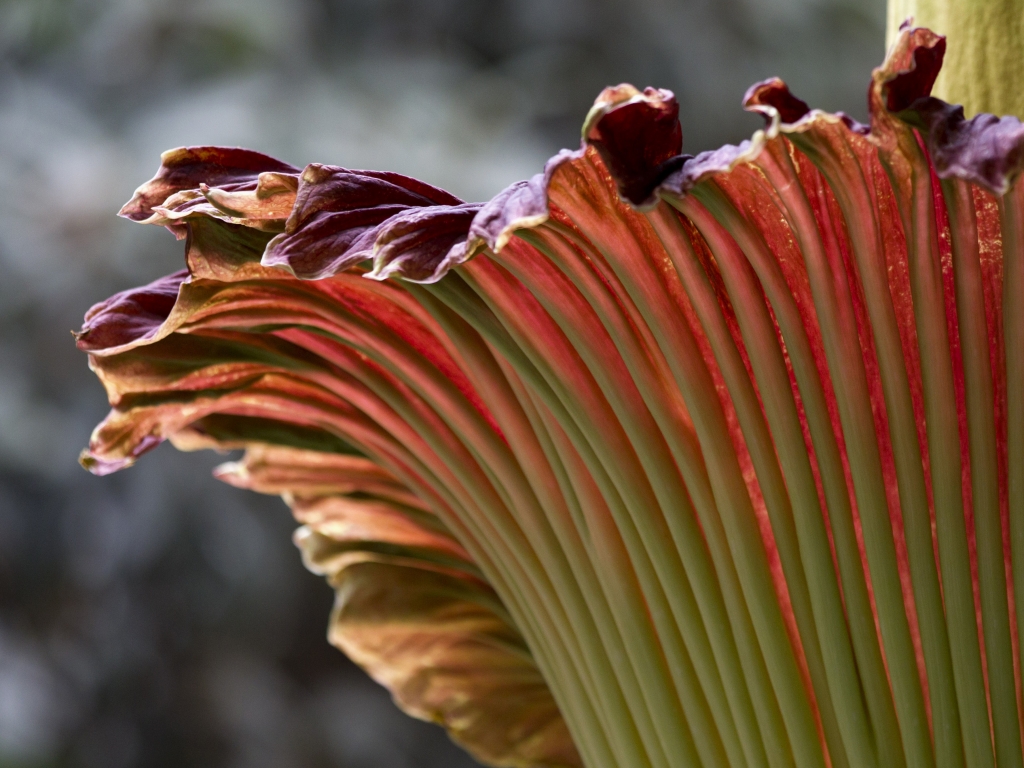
<point>650,460</point>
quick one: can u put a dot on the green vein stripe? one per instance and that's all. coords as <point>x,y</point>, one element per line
<point>917,521</point>
<point>984,454</point>
<point>742,544</point>
<point>594,620</point>
<point>474,302</point>
<point>554,302</point>
<point>1011,209</point>
<point>857,745</point>
<point>861,617</point>
<point>497,532</point>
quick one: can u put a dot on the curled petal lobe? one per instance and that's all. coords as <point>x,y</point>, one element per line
<point>233,367</point>
<point>772,97</point>
<point>911,68</point>
<point>436,643</point>
<point>263,206</point>
<point>411,607</point>
<point>347,499</point>
<point>276,469</point>
<point>639,137</point>
<point>337,216</point>
<point>186,168</point>
<point>271,201</point>
<point>985,150</point>
<point>422,244</point>
<point>130,317</point>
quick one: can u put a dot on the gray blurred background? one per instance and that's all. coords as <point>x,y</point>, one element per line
<point>156,617</point>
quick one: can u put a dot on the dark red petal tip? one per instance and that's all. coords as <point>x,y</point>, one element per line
<point>905,77</point>
<point>131,316</point>
<point>915,73</point>
<point>773,96</point>
<point>638,136</point>
<point>985,150</point>
<point>188,167</point>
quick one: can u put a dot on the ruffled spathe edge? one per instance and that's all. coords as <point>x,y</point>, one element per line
<point>635,132</point>
<point>985,150</point>
<point>329,219</point>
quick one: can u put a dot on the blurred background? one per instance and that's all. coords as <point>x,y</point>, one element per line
<point>156,617</point>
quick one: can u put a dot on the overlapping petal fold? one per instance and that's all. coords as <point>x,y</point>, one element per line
<point>338,215</point>
<point>705,460</point>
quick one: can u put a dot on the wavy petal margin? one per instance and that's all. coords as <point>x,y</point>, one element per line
<point>703,460</point>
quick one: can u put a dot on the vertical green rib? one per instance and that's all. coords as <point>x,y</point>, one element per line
<point>655,467</point>
<point>780,409</point>
<point>495,530</point>
<point>589,284</point>
<point>715,748</point>
<point>854,201</point>
<point>764,459</point>
<point>549,655</point>
<point>474,303</point>
<point>1011,210</point>
<point>861,618</point>
<point>618,579</point>
<point>691,461</point>
<point>598,619</point>
<point>946,460</point>
<point>729,488</point>
<point>981,428</point>
<point>849,381</point>
<point>846,365</point>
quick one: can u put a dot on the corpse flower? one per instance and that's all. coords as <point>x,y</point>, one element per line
<point>652,460</point>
